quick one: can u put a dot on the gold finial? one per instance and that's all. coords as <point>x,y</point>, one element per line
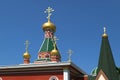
<point>27,44</point>
<point>54,45</point>
<point>70,54</point>
<point>104,35</point>
<point>54,52</point>
<point>48,11</point>
<point>49,25</point>
<point>26,54</point>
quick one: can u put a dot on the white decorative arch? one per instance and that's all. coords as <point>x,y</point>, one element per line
<point>53,78</point>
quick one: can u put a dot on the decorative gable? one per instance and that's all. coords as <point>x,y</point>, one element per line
<point>101,76</point>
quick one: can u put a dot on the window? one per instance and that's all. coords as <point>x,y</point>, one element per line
<point>47,56</point>
<point>53,78</point>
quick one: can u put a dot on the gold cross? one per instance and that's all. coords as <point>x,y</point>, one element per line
<point>49,10</point>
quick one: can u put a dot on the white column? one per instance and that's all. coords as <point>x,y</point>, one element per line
<point>66,74</point>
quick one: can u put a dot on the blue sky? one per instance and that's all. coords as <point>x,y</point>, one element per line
<point>79,27</point>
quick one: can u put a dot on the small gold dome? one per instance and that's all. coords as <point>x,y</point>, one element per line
<point>26,55</point>
<point>54,52</point>
<point>49,26</point>
<point>104,35</point>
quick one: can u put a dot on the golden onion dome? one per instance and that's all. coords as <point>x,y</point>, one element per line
<point>26,55</point>
<point>54,52</point>
<point>49,26</point>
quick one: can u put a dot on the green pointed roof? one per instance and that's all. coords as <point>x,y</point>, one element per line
<point>106,61</point>
<point>47,45</point>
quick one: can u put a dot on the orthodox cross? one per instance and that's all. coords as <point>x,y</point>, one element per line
<point>48,11</point>
<point>27,44</point>
<point>55,39</point>
<point>104,30</point>
<point>69,55</point>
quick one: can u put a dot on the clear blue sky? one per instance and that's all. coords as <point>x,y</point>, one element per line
<point>79,27</point>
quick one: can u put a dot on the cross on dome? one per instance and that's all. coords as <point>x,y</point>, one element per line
<point>70,54</point>
<point>55,39</point>
<point>27,44</point>
<point>104,35</point>
<point>49,11</point>
<point>104,30</point>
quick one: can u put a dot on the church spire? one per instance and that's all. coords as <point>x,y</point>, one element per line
<point>44,53</point>
<point>106,61</point>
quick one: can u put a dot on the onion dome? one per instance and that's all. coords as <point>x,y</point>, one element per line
<point>104,35</point>
<point>26,55</point>
<point>49,26</point>
<point>54,52</point>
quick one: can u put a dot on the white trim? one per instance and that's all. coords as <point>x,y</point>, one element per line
<point>47,43</point>
<point>46,64</point>
<point>55,77</point>
<point>66,74</point>
<point>41,45</point>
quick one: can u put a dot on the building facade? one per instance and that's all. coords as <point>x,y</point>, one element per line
<point>49,66</point>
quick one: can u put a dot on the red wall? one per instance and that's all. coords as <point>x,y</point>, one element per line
<point>32,77</point>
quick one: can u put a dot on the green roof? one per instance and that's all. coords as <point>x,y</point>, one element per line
<point>47,45</point>
<point>91,77</point>
<point>106,61</point>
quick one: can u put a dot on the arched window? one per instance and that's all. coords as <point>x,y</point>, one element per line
<point>53,78</point>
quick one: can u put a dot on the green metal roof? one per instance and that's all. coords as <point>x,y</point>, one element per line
<point>47,45</point>
<point>106,61</point>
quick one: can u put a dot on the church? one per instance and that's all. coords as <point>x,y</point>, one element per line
<point>49,66</point>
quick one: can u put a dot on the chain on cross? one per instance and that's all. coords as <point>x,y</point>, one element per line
<point>49,11</point>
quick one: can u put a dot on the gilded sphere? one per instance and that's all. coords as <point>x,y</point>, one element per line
<point>49,26</point>
<point>26,55</point>
<point>54,52</point>
<point>104,35</point>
